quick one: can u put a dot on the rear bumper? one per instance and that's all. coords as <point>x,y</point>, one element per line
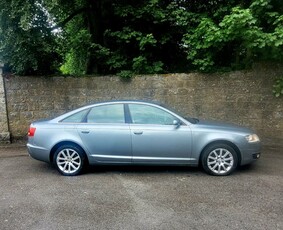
<point>38,153</point>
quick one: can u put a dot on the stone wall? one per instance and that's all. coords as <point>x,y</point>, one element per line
<point>4,129</point>
<point>241,97</point>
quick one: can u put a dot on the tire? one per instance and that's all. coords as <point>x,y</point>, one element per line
<point>69,160</point>
<point>219,160</point>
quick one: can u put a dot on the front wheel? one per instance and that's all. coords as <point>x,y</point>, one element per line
<point>69,160</point>
<point>219,160</point>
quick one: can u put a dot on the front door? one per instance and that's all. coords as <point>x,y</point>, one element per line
<point>155,137</point>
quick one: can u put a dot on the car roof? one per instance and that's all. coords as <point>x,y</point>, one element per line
<point>128,101</point>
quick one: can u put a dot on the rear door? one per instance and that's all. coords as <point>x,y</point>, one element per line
<point>106,135</point>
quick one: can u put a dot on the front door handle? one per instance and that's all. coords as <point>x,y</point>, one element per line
<point>85,131</point>
<point>138,132</point>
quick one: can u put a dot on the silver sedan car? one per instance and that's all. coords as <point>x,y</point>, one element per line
<point>139,133</point>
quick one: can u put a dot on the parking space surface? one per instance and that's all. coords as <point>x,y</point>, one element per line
<point>35,196</point>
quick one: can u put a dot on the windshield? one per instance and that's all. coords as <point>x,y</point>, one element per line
<point>189,119</point>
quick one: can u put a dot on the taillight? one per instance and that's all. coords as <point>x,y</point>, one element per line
<point>31,131</point>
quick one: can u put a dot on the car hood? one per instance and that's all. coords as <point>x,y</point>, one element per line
<point>222,126</point>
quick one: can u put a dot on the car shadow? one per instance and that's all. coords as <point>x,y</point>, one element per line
<point>144,169</point>
<point>139,169</point>
<point>250,168</point>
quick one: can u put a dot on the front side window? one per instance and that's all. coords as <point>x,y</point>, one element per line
<point>106,114</point>
<point>145,114</point>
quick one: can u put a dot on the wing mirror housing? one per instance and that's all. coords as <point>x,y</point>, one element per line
<point>177,123</point>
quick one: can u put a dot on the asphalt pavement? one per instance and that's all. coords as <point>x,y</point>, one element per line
<point>35,196</point>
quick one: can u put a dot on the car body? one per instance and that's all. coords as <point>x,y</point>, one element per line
<point>139,133</point>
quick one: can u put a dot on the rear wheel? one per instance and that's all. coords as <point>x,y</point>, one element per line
<point>219,160</point>
<point>69,160</point>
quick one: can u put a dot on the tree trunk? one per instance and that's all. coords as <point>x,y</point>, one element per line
<point>95,26</point>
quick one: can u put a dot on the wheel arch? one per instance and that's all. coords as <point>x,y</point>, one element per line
<point>231,144</point>
<point>55,147</point>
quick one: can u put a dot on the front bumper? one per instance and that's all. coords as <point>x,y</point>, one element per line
<point>251,153</point>
<point>256,156</point>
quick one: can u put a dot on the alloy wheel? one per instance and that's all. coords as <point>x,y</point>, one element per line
<point>220,161</point>
<point>68,161</point>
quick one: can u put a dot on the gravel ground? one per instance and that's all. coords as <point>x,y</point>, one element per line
<point>35,196</point>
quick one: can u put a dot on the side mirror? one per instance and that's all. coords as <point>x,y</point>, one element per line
<point>177,123</point>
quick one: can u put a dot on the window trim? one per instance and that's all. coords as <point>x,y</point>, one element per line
<point>127,114</point>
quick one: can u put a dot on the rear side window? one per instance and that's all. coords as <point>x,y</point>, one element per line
<point>77,117</point>
<point>106,114</point>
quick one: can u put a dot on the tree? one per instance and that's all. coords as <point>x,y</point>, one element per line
<point>27,45</point>
<point>138,36</point>
<point>132,37</point>
<point>242,36</point>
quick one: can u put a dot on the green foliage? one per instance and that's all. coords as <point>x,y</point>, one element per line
<point>241,33</point>
<point>76,57</point>
<point>127,37</point>
<point>137,46</point>
<point>125,74</point>
<point>278,87</point>
<point>141,65</point>
<point>26,43</point>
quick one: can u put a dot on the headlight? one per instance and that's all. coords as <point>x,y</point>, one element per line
<point>252,138</point>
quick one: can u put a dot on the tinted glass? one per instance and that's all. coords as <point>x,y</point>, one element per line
<point>145,114</point>
<point>106,114</point>
<point>77,117</point>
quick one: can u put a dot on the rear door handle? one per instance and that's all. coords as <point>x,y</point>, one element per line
<point>85,131</point>
<point>138,132</point>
